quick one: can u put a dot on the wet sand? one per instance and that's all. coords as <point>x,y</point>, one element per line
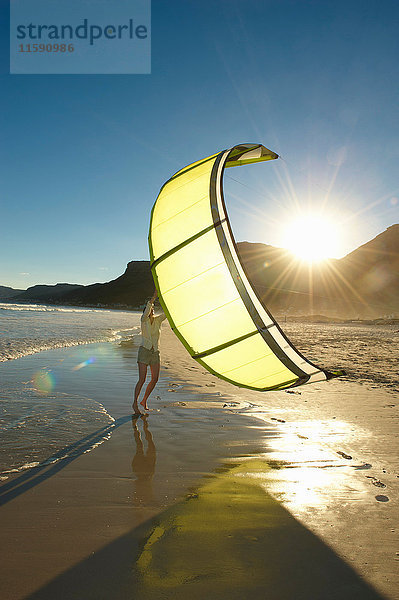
<point>219,492</point>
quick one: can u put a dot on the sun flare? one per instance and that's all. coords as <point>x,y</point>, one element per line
<point>312,238</point>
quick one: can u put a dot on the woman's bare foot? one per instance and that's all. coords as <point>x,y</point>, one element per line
<point>143,403</point>
<point>136,410</point>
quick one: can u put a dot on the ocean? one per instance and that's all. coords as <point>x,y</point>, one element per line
<point>46,410</point>
<point>29,328</point>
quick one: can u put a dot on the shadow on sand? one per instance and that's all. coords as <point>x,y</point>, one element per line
<point>228,540</point>
<point>57,461</point>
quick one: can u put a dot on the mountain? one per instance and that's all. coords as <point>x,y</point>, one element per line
<point>363,284</point>
<point>47,293</point>
<point>372,270</point>
<point>8,292</point>
<point>130,290</point>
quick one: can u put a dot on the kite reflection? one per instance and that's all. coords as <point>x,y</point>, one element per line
<point>143,463</point>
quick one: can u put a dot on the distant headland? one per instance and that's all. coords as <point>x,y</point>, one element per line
<point>362,285</point>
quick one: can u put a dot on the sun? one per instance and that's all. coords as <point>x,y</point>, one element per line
<point>312,238</point>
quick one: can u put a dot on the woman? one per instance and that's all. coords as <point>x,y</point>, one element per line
<point>148,354</point>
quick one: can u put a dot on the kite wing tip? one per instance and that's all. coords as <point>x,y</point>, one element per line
<point>333,374</point>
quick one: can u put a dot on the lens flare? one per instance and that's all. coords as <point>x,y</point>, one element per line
<point>44,382</point>
<point>85,363</point>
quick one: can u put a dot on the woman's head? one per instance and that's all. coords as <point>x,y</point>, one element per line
<point>151,314</point>
<point>151,310</point>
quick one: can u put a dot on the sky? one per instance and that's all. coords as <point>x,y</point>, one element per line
<point>83,157</point>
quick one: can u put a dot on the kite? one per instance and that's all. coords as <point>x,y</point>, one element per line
<point>203,288</point>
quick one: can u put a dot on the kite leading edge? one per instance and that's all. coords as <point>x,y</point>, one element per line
<point>203,288</point>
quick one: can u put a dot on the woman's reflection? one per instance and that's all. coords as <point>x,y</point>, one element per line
<point>143,464</point>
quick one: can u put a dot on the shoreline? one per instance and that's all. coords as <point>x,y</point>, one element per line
<point>120,307</point>
<point>310,455</point>
<point>280,317</point>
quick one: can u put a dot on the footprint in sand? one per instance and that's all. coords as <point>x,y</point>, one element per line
<point>347,456</point>
<point>173,387</point>
<point>278,420</point>
<point>192,496</point>
<point>382,498</point>
<point>363,467</point>
<point>376,481</point>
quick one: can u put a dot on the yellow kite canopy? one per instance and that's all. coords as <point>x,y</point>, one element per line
<point>202,285</point>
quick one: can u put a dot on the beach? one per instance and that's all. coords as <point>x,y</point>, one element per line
<point>220,491</point>
<point>224,174</point>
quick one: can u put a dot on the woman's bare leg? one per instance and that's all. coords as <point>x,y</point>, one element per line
<point>139,385</point>
<point>154,378</point>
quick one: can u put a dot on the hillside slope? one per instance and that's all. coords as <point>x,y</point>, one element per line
<point>363,284</point>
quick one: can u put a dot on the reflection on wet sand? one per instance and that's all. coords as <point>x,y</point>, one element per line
<point>143,463</point>
<point>232,539</point>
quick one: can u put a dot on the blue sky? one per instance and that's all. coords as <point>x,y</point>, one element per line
<point>83,156</point>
